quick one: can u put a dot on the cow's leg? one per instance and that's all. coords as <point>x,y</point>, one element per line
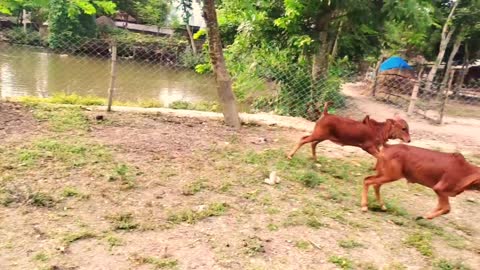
<point>304,140</point>
<point>379,197</point>
<point>314,150</point>
<point>443,206</point>
<point>377,180</point>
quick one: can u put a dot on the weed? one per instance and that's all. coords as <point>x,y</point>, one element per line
<point>253,246</point>
<point>123,173</point>
<point>192,217</point>
<point>71,192</point>
<point>225,187</point>
<point>41,199</point>
<point>113,241</point>
<point>6,197</point>
<point>272,227</point>
<point>448,265</point>
<point>158,263</point>
<point>193,188</point>
<point>72,237</point>
<point>41,257</point>
<point>152,103</point>
<point>341,262</point>
<point>180,105</point>
<point>422,242</point>
<point>302,244</point>
<point>123,221</point>
<point>61,98</point>
<point>311,179</point>
<point>349,244</point>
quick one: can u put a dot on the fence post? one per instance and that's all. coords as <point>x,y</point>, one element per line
<point>375,78</point>
<point>416,88</point>
<point>113,75</point>
<point>447,90</point>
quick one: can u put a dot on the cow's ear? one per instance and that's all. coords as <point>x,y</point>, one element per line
<point>366,120</point>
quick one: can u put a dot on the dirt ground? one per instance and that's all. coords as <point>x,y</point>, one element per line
<point>156,191</point>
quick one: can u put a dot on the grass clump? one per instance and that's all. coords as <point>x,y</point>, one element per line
<point>311,179</point>
<point>68,192</point>
<point>422,242</point>
<point>158,263</point>
<point>123,221</point>
<point>302,244</point>
<point>41,199</point>
<point>210,106</point>
<point>193,188</point>
<point>342,262</point>
<point>192,217</point>
<point>113,241</point>
<point>41,257</point>
<point>124,174</point>
<point>76,236</point>
<point>349,244</point>
<point>448,265</point>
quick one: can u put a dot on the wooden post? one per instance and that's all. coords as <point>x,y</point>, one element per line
<point>377,68</point>
<point>413,98</point>
<point>113,75</point>
<point>444,103</point>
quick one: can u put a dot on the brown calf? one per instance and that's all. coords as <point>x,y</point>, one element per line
<point>448,174</point>
<point>368,134</point>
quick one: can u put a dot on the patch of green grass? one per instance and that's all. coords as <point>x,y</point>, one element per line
<point>123,173</point>
<point>225,187</point>
<point>113,241</point>
<point>62,119</point>
<point>253,246</point>
<point>61,98</point>
<point>123,221</point>
<point>41,257</point>
<point>308,216</point>
<point>60,153</point>
<point>272,227</point>
<point>76,236</point>
<point>311,179</point>
<point>444,264</point>
<point>302,244</point>
<point>348,243</point>
<point>180,105</point>
<point>422,242</point>
<point>151,103</point>
<point>72,192</point>
<point>6,197</point>
<point>192,217</point>
<point>158,263</point>
<point>41,199</point>
<point>211,106</point>
<point>342,262</point>
<point>193,188</point>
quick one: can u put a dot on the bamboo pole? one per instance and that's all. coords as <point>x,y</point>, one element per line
<point>113,75</point>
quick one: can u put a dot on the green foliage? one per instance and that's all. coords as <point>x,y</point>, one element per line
<point>422,242</point>
<point>154,12</point>
<point>342,262</point>
<point>18,36</point>
<point>448,265</point>
<point>311,179</point>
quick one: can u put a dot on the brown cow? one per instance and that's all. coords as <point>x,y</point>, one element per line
<point>368,134</point>
<point>448,174</point>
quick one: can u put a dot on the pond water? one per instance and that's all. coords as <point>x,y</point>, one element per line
<point>36,72</point>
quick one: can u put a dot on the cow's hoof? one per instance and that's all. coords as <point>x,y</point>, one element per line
<point>364,208</point>
<point>384,208</point>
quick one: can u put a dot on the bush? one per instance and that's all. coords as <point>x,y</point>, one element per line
<point>18,36</point>
<point>190,60</point>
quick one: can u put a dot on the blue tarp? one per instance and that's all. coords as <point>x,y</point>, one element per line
<point>394,62</point>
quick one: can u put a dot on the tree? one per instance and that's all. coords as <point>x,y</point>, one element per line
<point>447,32</point>
<point>186,6</point>
<point>154,12</point>
<point>224,82</point>
<point>69,20</point>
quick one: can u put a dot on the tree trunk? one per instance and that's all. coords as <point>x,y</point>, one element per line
<point>224,82</point>
<point>335,44</point>
<point>192,41</point>
<point>320,58</point>
<point>456,46</point>
<point>446,36</point>
<point>463,73</point>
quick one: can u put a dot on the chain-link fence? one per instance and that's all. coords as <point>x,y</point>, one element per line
<point>154,71</point>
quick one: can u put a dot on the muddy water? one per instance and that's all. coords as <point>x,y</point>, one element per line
<point>35,72</point>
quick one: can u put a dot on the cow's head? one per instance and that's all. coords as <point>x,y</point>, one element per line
<point>398,129</point>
